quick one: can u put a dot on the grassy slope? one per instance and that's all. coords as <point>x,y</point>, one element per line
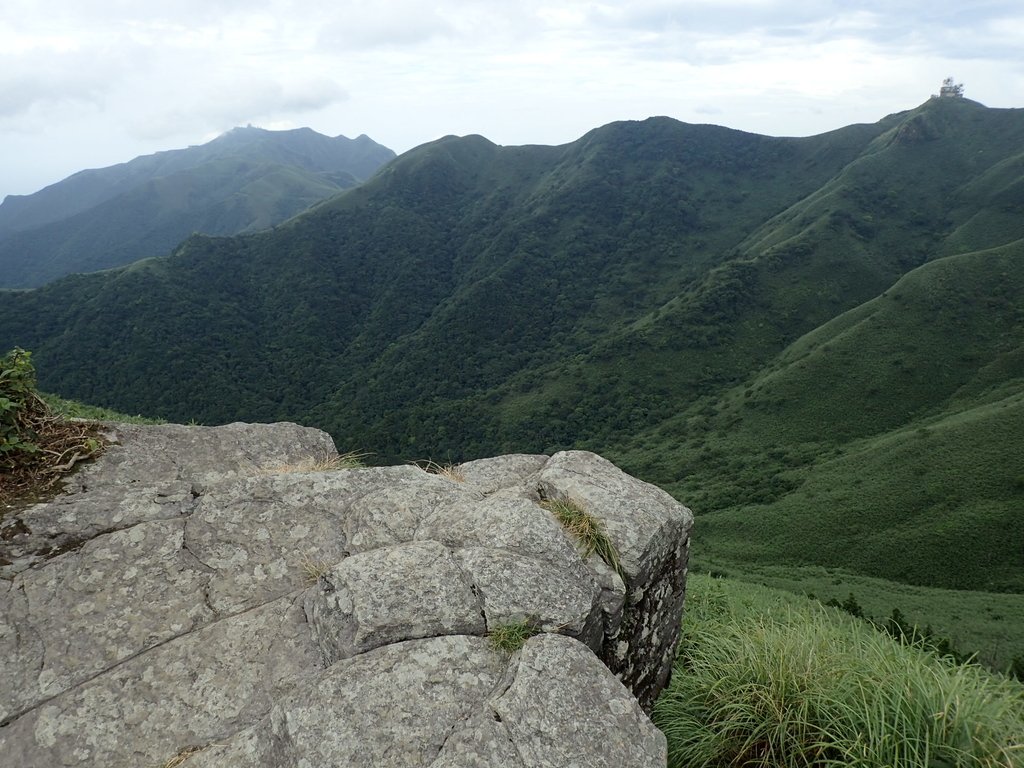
<point>876,435</point>
<point>765,679</point>
<point>989,624</point>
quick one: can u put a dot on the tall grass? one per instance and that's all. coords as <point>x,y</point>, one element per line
<point>764,682</point>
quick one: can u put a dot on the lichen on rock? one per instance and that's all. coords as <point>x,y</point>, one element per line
<point>187,600</point>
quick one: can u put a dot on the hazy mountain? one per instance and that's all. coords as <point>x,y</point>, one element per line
<point>817,342</point>
<point>245,180</point>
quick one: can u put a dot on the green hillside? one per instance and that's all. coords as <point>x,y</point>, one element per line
<point>817,343</point>
<point>876,435</point>
<point>246,180</point>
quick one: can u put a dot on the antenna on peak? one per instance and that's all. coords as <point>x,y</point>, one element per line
<point>951,89</point>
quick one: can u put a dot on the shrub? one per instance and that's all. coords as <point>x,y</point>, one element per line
<point>20,409</point>
<point>36,446</point>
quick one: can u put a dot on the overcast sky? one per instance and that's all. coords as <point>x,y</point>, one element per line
<point>90,83</point>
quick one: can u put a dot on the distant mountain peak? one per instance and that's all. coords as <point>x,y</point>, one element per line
<point>246,179</point>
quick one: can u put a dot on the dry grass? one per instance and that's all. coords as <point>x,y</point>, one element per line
<point>313,568</point>
<point>452,472</point>
<point>183,754</point>
<point>350,460</point>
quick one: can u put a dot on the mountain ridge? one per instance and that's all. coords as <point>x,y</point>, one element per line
<point>622,293</point>
<point>245,179</point>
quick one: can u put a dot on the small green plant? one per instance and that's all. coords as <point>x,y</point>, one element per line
<point>509,638</point>
<point>18,405</point>
<point>586,529</point>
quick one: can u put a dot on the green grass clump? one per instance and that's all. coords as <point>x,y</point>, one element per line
<point>763,679</point>
<point>586,529</point>
<point>509,638</point>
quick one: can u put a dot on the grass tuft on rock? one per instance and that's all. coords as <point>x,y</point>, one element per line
<point>509,638</point>
<point>350,460</point>
<point>312,568</point>
<point>585,529</point>
<point>182,756</point>
<point>451,472</point>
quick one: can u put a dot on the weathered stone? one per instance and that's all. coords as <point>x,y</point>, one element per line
<point>402,592</point>
<point>157,455</point>
<point>190,690</point>
<point>21,652</point>
<point>166,467</point>
<point>119,595</point>
<point>490,475</point>
<point>481,742</point>
<point>509,519</point>
<point>515,588</point>
<point>566,708</point>
<point>260,536</point>
<point>203,592</point>
<point>390,707</point>
<point>394,509</point>
<point>651,533</point>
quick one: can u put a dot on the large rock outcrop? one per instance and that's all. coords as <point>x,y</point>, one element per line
<point>206,593</point>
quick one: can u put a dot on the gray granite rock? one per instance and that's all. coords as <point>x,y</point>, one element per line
<point>651,533</point>
<point>401,592</point>
<point>554,719</point>
<point>207,593</point>
<point>166,468</point>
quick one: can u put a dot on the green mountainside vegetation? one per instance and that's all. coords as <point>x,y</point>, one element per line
<point>816,343</point>
<point>243,181</point>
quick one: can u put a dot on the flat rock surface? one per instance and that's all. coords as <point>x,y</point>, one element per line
<point>207,593</point>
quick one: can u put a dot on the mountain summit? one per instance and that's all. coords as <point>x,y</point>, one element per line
<point>244,180</point>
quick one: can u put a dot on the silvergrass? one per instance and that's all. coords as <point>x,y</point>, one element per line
<point>763,684</point>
